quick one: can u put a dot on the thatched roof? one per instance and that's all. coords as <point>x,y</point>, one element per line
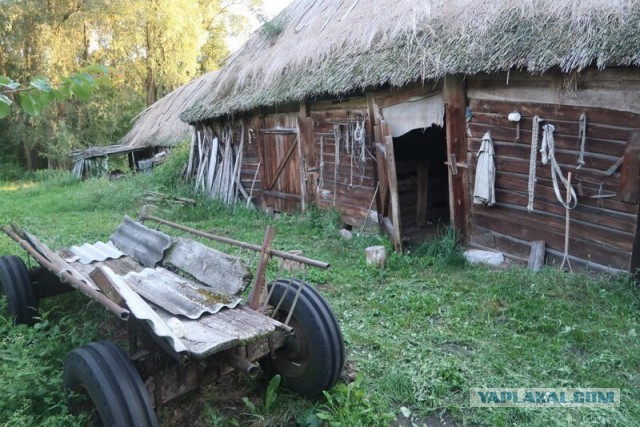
<point>160,125</point>
<point>318,47</point>
<point>108,150</point>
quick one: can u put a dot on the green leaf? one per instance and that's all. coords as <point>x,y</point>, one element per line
<point>29,104</point>
<point>96,69</point>
<point>63,92</point>
<point>82,91</point>
<point>5,108</point>
<point>41,84</point>
<point>83,78</point>
<point>8,83</point>
<point>4,99</point>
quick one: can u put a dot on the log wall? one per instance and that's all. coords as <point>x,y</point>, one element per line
<point>343,184</point>
<point>603,230</point>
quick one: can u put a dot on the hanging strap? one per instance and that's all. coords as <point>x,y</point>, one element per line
<point>548,144</point>
<point>582,136</point>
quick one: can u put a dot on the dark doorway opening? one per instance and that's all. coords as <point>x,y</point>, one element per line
<point>423,182</point>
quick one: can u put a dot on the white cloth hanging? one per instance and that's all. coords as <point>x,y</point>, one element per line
<point>484,190</point>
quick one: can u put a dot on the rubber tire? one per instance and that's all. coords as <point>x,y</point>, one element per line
<point>324,341</point>
<point>17,286</point>
<point>116,393</point>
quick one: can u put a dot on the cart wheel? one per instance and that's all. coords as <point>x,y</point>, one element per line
<point>107,386</point>
<point>17,286</point>
<point>313,358</point>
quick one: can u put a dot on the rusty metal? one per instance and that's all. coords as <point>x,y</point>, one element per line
<point>240,364</point>
<point>67,277</point>
<point>295,299</point>
<point>256,292</point>
<point>244,245</point>
<point>284,294</point>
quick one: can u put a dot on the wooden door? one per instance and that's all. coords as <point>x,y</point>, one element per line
<point>281,154</point>
<point>389,209</point>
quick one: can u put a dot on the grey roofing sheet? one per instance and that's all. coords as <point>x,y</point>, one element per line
<point>224,273</point>
<point>99,251</point>
<point>140,242</point>
<point>176,294</point>
<point>141,310</point>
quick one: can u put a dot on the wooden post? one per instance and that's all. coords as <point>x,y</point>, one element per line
<point>455,103</point>
<point>308,159</point>
<point>536,256</point>
<point>258,285</point>
<point>634,267</point>
<point>393,192</point>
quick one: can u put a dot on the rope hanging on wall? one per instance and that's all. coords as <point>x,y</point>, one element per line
<point>350,138</point>
<point>582,136</point>
<point>548,155</point>
<point>532,162</point>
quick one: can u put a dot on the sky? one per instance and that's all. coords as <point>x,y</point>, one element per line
<point>271,9</point>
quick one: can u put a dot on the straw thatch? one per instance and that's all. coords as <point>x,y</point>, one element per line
<point>318,47</point>
<point>159,125</point>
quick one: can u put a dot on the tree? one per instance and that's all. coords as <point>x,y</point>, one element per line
<point>150,46</point>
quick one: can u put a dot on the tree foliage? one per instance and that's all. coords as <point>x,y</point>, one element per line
<point>150,47</point>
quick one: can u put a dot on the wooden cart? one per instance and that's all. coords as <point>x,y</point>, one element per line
<point>186,324</point>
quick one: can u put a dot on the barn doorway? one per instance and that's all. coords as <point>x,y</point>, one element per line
<point>423,182</point>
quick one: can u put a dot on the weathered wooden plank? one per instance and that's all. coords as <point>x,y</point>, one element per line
<point>308,155</point>
<point>581,212</point>
<point>599,115</point>
<point>547,222</point>
<point>563,157</point>
<point>512,225</point>
<point>455,104</point>
<point>544,188</point>
<point>589,178</point>
<point>536,257</point>
<point>630,169</point>
<point>393,96</point>
<point>620,99</point>
<point>342,104</point>
<point>392,176</point>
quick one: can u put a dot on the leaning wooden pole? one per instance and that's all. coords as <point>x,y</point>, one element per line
<point>567,224</point>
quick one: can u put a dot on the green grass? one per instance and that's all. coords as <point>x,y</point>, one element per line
<point>420,332</point>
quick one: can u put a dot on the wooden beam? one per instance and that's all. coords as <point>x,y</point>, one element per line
<point>393,192</point>
<point>630,171</point>
<point>308,158</point>
<point>372,121</point>
<point>634,267</point>
<point>455,103</point>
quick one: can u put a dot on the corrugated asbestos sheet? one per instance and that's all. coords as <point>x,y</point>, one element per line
<point>141,310</point>
<point>224,273</point>
<point>176,294</point>
<point>99,251</point>
<point>140,242</point>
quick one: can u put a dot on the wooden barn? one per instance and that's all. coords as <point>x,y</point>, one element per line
<point>156,130</point>
<point>379,110</point>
